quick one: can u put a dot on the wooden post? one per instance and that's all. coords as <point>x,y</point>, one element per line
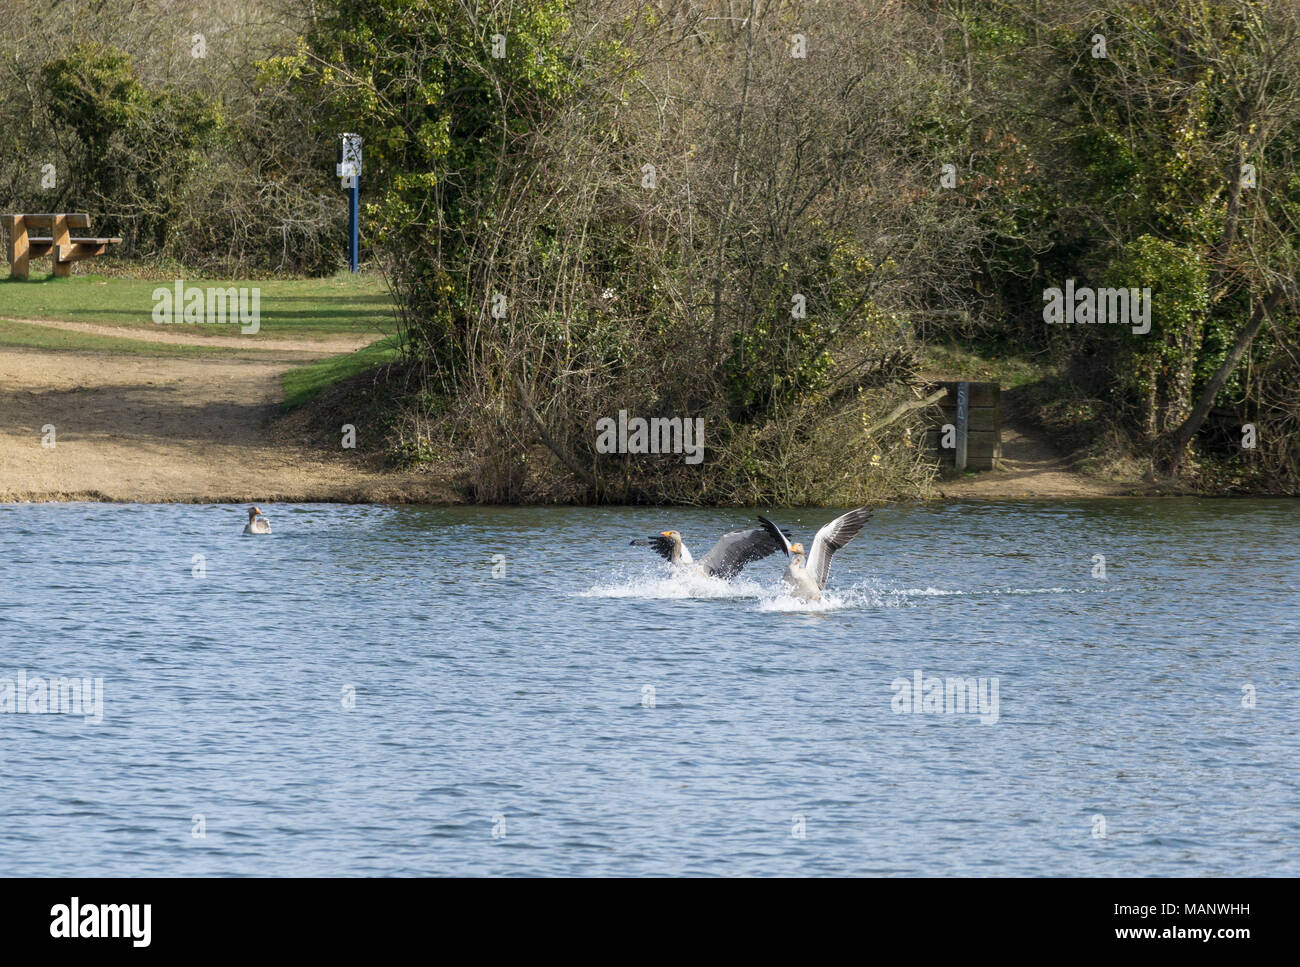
<point>983,425</point>
<point>62,243</point>
<point>18,246</point>
<point>963,423</point>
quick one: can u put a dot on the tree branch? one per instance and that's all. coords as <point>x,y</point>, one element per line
<point>904,408</point>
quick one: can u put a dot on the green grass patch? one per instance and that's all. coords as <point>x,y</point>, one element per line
<point>304,382</point>
<point>986,363</point>
<point>289,308</point>
<point>27,336</point>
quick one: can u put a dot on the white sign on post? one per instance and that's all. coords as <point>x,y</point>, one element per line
<point>349,159</point>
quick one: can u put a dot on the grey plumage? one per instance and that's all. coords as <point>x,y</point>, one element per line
<point>724,560</point>
<point>257,524</point>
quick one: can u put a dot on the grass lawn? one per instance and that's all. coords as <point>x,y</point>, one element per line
<point>299,308</point>
<point>295,308</point>
<point>301,384</point>
<point>42,337</point>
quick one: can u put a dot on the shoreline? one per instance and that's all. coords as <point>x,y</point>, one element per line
<point>209,429</point>
<point>427,500</point>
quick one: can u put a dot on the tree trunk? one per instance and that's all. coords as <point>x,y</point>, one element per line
<point>1179,439</point>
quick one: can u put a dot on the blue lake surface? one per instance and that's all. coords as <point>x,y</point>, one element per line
<point>368,691</point>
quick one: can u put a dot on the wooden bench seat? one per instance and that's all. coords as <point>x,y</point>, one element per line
<point>60,243</point>
<point>77,250</point>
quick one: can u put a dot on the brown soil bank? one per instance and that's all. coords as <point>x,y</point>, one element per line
<point>209,429</point>
<point>139,428</point>
<point>1031,468</point>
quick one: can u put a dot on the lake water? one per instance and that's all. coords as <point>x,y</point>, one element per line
<point>360,693</point>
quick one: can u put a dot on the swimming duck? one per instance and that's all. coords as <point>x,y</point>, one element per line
<point>256,523</point>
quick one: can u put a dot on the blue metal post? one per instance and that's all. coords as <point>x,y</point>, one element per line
<point>963,424</point>
<point>353,228</point>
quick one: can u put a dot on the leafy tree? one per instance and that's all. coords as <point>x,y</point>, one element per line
<point>132,145</point>
<point>439,113</point>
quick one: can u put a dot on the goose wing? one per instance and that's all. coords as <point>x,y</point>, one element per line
<point>831,538</point>
<point>663,545</point>
<point>736,549</point>
<point>782,538</point>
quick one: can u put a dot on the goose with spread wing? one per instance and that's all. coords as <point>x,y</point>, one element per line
<point>724,560</point>
<point>809,580</point>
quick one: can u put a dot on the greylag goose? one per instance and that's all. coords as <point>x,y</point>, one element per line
<point>256,523</point>
<point>724,560</point>
<point>809,580</point>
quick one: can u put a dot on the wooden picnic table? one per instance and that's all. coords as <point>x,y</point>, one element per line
<point>61,243</point>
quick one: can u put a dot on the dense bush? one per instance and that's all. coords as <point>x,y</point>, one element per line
<point>126,148</point>
<point>198,161</point>
<point>1155,373</point>
<point>668,216</point>
<point>1164,161</point>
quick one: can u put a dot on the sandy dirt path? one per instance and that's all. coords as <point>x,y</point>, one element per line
<point>141,428</point>
<point>333,346</point>
<point>1031,468</point>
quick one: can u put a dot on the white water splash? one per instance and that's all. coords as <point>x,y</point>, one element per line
<point>773,596</point>
<point>942,592</point>
<point>674,586</point>
<point>868,595</point>
<point>782,602</point>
